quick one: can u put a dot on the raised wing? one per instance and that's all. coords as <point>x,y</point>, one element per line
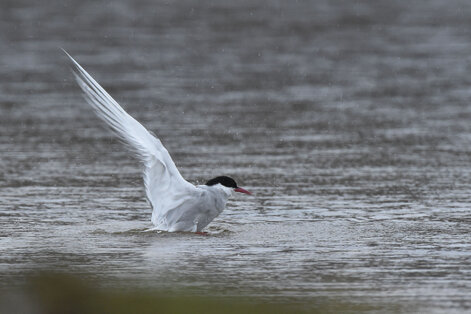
<point>164,184</point>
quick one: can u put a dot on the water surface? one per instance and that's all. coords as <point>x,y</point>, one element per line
<point>350,123</point>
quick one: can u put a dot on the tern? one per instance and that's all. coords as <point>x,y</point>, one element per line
<point>177,205</point>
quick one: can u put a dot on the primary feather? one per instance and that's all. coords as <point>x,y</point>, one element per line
<point>166,189</point>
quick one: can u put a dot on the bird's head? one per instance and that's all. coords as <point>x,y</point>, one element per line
<point>227,182</point>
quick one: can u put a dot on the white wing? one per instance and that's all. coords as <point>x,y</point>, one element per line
<point>165,186</point>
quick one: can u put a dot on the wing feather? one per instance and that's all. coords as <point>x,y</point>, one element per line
<point>163,182</point>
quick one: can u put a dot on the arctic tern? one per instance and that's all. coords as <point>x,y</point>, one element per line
<point>177,205</point>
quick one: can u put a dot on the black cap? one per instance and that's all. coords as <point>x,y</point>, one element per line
<point>224,180</point>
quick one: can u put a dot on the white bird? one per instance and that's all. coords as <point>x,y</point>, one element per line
<point>177,205</point>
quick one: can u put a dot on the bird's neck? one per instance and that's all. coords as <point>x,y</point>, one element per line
<point>223,190</point>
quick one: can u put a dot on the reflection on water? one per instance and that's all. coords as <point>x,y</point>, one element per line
<point>349,122</point>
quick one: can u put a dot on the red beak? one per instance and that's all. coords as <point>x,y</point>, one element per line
<point>241,190</point>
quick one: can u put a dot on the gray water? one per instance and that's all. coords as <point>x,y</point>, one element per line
<point>349,121</point>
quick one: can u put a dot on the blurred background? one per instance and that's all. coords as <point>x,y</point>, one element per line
<point>349,120</point>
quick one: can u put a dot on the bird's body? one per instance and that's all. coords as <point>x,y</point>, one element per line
<point>177,204</point>
<point>193,212</point>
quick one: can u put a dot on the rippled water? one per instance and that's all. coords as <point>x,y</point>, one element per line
<point>350,122</point>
